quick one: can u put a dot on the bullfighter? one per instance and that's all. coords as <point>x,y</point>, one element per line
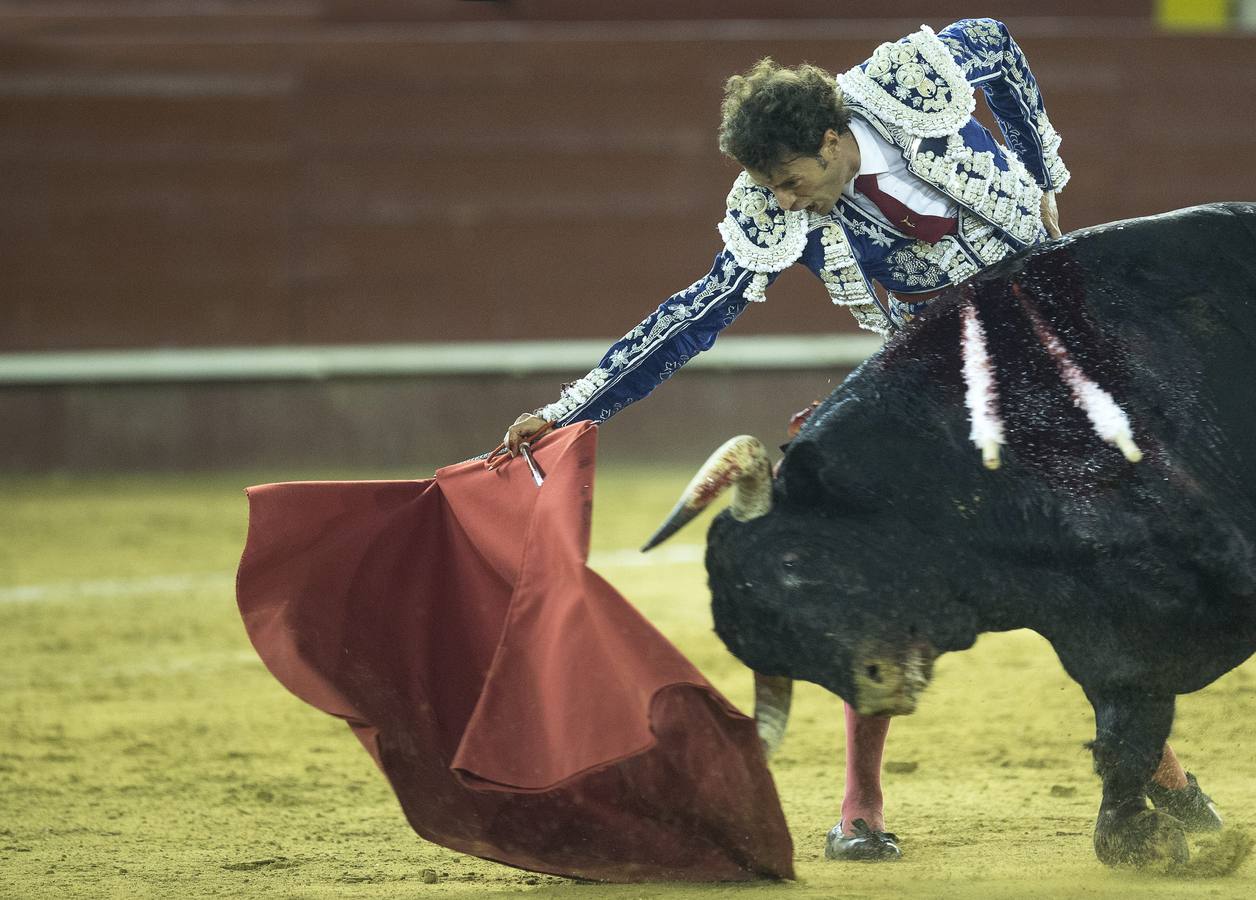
<point>878,175</point>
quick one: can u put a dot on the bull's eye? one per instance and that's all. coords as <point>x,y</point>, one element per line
<point>874,673</point>
<point>790,573</point>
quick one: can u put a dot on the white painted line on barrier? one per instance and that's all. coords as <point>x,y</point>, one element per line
<point>108,588</point>
<point>314,363</point>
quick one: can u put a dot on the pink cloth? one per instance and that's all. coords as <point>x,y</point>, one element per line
<point>520,708</point>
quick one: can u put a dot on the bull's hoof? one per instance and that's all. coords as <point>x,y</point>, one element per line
<point>1147,839</point>
<point>865,845</point>
<point>1189,805</point>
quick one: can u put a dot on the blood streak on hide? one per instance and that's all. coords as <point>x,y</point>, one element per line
<point>1106,417</point>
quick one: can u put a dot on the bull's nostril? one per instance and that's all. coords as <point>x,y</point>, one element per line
<point>874,673</point>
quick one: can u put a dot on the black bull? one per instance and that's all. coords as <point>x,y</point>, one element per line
<point>883,540</point>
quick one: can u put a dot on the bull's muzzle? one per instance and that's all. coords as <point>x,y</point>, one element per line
<point>889,681</point>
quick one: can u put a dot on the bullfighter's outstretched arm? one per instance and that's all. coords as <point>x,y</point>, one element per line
<point>760,241</point>
<point>991,60</point>
<point>682,327</point>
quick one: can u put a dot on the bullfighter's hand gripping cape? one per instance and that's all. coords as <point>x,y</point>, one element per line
<point>520,708</point>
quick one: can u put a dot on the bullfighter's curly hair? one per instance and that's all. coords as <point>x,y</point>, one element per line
<point>772,114</point>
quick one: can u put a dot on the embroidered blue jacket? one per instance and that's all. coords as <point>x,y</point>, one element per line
<point>918,94</point>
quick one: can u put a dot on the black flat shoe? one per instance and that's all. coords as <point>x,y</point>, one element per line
<point>865,845</point>
<point>1189,805</point>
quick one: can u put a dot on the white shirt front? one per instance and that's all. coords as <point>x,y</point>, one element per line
<point>879,157</point>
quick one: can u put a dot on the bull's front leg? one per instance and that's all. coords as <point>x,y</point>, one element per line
<point>1130,731</point>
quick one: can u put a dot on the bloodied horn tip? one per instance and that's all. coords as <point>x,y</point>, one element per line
<point>742,464</point>
<point>680,516</point>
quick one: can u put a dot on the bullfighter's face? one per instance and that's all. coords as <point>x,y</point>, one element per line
<point>815,599</point>
<point>813,183</point>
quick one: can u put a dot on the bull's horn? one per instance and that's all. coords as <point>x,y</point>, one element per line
<point>742,462</point>
<point>772,694</point>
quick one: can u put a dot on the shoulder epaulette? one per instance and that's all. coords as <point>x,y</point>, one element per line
<point>913,83</point>
<point>761,236</point>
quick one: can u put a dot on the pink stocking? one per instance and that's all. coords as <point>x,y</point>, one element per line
<point>865,744</point>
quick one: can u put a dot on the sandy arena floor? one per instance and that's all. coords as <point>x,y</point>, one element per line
<point>145,752</point>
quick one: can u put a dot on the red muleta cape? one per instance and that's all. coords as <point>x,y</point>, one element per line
<point>521,709</point>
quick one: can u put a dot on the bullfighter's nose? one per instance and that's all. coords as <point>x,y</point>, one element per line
<point>889,680</point>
